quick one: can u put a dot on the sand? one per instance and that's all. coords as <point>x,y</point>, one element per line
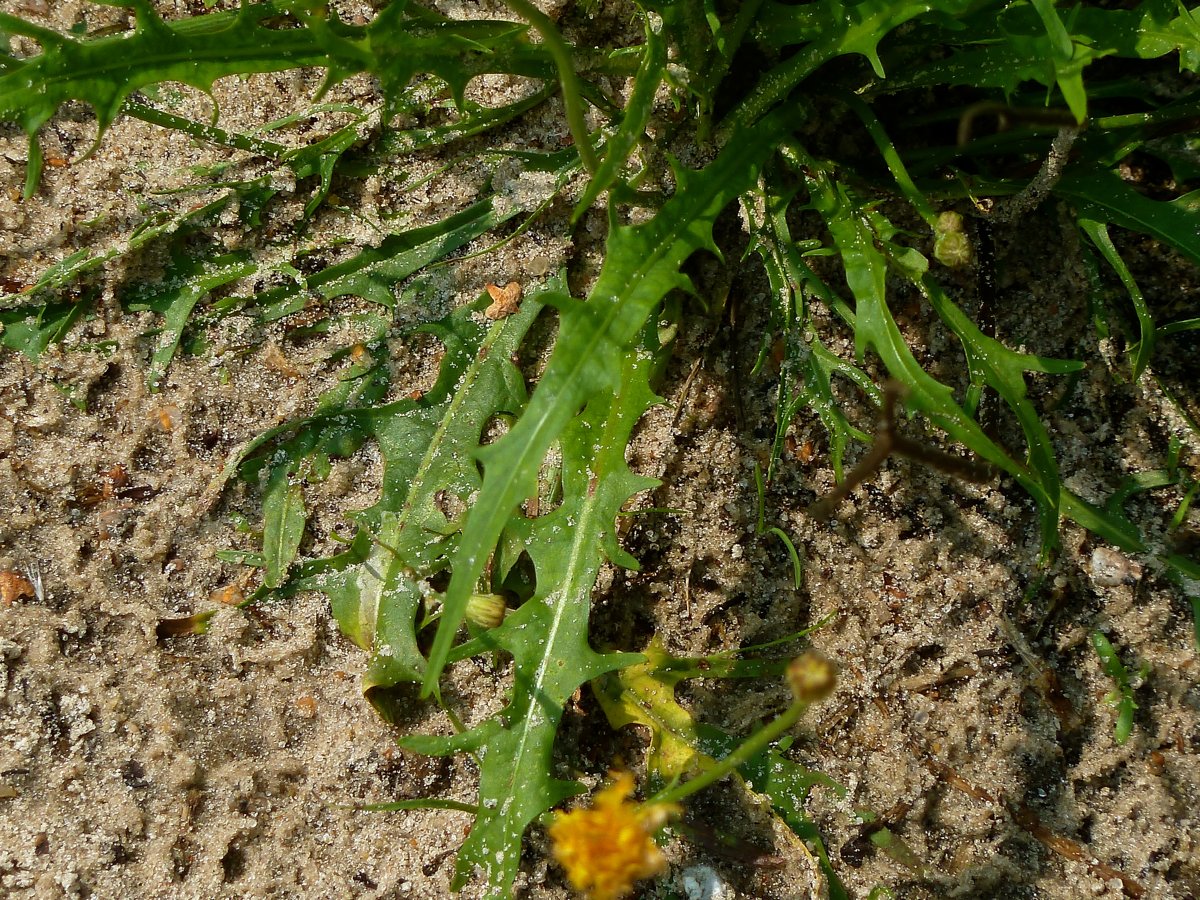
<point>970,710</point>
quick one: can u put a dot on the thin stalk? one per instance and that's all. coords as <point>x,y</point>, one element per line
<point>572,98</point>
<point>750,748</point>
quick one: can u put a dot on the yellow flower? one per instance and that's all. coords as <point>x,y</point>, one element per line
<point>607,847</point>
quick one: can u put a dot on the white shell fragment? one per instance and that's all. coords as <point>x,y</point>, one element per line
<point>1111,568</point>
<point>703,883</point>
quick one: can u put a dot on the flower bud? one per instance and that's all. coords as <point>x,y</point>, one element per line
<point>812,677</point>
<point>951,246</point>
<point>486,610</point>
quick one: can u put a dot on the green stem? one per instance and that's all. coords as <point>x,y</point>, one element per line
<point>572,99</point>
<point>753,745</point>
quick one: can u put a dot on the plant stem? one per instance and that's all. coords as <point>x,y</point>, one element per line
<point>572,99</point>
<point>750,748</point>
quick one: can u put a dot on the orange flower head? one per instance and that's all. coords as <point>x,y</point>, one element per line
<point>608,847</point>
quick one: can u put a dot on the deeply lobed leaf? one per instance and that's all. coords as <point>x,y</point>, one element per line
<point>377,586</point>
<point>641,266</point>
<point>548,636</point>
<point>197,51</point>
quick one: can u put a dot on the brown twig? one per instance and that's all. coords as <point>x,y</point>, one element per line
<point>888,441</point>
<point>1008,116</point>
<point>1024,817</point>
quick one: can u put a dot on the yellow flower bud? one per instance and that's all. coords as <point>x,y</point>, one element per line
<point>812,677</point>
<point>486,610</point>
<point>951,246</point>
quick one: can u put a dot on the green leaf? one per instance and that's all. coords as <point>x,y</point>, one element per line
<point>372,273</point>
<point>377,586</point>
<point>475,120</point>
<point>633,123</point>
<point>805,379</point>
<point>31,331</point>
<point>1186,573</point>
<point>641,266</point>
<point>333,426</point>
<point>1025,42</point>
<point>188,279</point>
<point>852,29</point>
<point>547,636</point>
<point>1105,197</point>
<point>1004,370</point>
<point>197,51</point>
<point>858,237</point>
<point>375,602</point>
<point>66,271</point>
<point>241,558</point>
<point>1158,35</point>
<point>782,24</point>
<point>1122,696</point>
<point>1098,234</point>
<point>1069,58</point>
<point>104,71</point>
<point>283,524</point>
<point>1117,530</point>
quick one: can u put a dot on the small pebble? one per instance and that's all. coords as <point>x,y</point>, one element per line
<point>703,883</point>
<point>1111,568</point>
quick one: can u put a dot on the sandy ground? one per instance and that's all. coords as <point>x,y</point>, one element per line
<point>970,709</point>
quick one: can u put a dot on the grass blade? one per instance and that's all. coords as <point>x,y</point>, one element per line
<point>1098,233</point>
<point>283,524</point>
